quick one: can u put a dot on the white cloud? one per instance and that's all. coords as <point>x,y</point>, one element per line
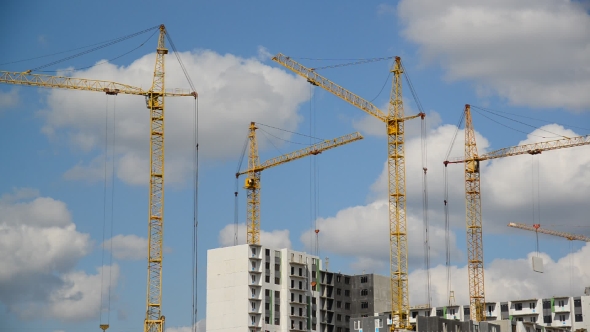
<point>200,326</point>
<point>438,141</point>
<point>39,248</point>
<point>506,183</point>
<point>506,186</point>
<point>9,99</point>
<point>19,194</point>
<point>509,279</point>
<point>80,297</point>
<point>127,246</point>
<point>264,54</point>
<point>273,239</point>
<point>369,125</point>
<point>37,237</point>
<point>233,92</point>
<point>364,264</point>
<point>534,53</point>
<point>564,179</point>
<point>362,232</point>
<point>77,298</point>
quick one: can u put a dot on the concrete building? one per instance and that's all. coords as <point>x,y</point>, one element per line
<point>571,313</point>
<point>259,289</point>
<point>557,314</point>
<point>439,324</point>
<point>255,288</point>
<point>344,296</point>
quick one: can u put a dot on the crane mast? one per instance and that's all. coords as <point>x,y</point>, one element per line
<point>473,216</point>
<point>253,186</point>
<point>394,121</point>
<point>252,183</point>
<point>398,234</point>
<point>473,221</point>
<point>154,321</point>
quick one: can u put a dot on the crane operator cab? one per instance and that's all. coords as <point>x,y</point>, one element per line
<point>250,183</point>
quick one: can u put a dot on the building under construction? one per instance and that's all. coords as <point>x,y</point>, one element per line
<point>261,289</point>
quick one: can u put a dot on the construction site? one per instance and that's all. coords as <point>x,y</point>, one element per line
<point>253,286</point>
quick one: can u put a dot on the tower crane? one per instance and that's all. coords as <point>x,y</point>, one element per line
<point>154,320</point>
<point>537,228</point>
<point>473,201</point>
<point>252,183</point>
<point>394,124</point>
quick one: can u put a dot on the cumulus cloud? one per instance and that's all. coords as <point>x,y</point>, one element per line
<point>546,41</point>
<point>563,178</point>
<point>506,186</point>
<point>362,232</point>
<point>200,327</point>
<point>9,99</point>
<point>39,248</point>
<point>234,91</point>
<point>37,238</point>
<point>127,246</point>
<point>79,298</point>
<point>513,277</point>
<point>438,140</point>
<point>275,239</point>
<point>264,54</point>
<point>506,183</point>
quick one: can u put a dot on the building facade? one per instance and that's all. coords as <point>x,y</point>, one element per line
<point>344,296</point>
<point>255,288</point>
<point>549,314</point>
<point>259,289</point>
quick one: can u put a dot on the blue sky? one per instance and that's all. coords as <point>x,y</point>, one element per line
<point>527,59</point>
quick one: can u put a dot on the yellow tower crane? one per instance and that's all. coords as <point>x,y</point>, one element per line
<point>252,183</point>
<point>473,202</point>
<point>394,120</point>
<point>537,228</point>
<point>154,320</point>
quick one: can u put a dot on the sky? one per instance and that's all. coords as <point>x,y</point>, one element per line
<point>74,193</point>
